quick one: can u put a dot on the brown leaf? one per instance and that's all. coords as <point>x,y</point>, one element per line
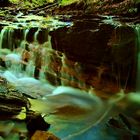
<point>42,135</point>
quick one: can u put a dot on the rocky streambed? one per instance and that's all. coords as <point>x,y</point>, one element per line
<point>69,71</point>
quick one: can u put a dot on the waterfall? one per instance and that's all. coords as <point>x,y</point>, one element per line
<point>138,59</point>
<point>25,48</point>
<point>6,38</point>
<point>3,36</point>
<point>28,50</point>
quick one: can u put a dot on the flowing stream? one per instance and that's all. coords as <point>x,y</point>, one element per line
<point>26,52</point>
<point>20,47</point>
<point>25,48</point>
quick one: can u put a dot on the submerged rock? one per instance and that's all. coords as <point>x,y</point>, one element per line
<point>36,122</point>
<point>124,126</point>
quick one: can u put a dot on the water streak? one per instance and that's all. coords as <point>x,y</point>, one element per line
<point>24,56</point>
<point>3,36</point>
<point>138,58</point>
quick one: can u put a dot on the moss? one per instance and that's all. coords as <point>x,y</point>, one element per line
<point>2,13</point>
<point>68,2</point>
<point>30,3</point>
<point>14,1</point>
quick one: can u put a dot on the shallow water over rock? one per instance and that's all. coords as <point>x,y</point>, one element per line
<point>73,70</point>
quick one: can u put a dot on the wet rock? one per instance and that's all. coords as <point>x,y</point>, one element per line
<point>18,33</point>
<point>42,36</point>
<point>80,42</point>
<point>4,3</point>
<point>35,122</point>
<point>41,135</point>
<point>138,7</point>
<point>53,79</point>
<point>2,63</point>
<point>12,100</point>
<point>18,36</point>
<point>52,72</point>
<point>30,34</point>
<point>102,51</point>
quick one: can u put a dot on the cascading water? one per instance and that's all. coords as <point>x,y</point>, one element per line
<point>137,28</point>
<point>22,56</point>
<point>31,60</point>
<point>32,56</point>
<point>29,47</point>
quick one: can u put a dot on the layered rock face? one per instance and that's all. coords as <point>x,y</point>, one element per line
<point>97,54</point>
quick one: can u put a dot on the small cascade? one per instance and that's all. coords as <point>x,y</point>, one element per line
<point>71,73</point>
<point>138,59</point>
<point>35,53</point>
<point>8,38</point>
<point>29,50</point>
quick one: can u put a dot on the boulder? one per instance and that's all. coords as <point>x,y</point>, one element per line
<point>105,53</point>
